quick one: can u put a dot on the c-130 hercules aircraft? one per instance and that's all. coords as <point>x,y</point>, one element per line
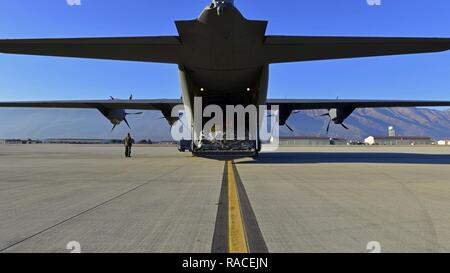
<point>224,59</point>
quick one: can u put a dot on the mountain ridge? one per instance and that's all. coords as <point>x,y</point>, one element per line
<point>64,123</point>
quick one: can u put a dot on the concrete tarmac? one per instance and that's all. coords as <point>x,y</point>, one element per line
<point>298,199</point>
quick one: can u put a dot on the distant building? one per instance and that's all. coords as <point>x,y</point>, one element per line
<point>78,141</point>
<point>166,142</point>
<point>398,140</point>
<point>11,141</point>
<point>338,141</point>
<point>311,140</point>
<point>391,131</point>
<point>145,141</point>
<point>443,142</point>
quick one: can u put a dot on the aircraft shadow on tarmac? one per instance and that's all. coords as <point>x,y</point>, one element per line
<point>319,157</point>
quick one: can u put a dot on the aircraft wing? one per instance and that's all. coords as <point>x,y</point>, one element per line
<point>281,49</point>
<point>293,104</point>
<point>328,104</point>
<point>161,105</point>
<point>162,49</point>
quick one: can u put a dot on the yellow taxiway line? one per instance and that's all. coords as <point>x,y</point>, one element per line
<point>237,239</point>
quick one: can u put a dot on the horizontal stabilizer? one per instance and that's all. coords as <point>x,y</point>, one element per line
<point>162,49</point>
<point>281,49</point>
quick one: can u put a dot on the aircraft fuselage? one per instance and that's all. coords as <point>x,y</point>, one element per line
<point>224,65</point>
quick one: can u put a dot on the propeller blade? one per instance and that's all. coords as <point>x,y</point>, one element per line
<point>328,127</point>
<point>345,127</point>
<point>114,127</point>
<point>138,113</point>
<point>131,96</point>
<point>126,121</point>
<point>323,115</point>
<point>112,98</point>
<point>289,127</point>
<point>296,112</point>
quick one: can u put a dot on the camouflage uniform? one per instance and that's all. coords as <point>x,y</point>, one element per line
<point>128,143</point>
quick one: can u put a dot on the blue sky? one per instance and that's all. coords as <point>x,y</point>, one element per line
<point>424,76</point>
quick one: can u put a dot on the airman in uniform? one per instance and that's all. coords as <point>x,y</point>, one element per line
<point>128,143</point>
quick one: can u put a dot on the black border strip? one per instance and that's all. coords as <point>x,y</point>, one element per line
<point>220,238</point>
<point>255,238</point>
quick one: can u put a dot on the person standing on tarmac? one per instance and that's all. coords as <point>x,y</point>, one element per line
<point>128,143</point>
